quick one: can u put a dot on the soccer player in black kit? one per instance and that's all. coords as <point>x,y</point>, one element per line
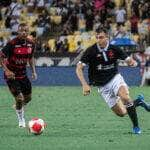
<point>101,59</point>
<point>14,58</point>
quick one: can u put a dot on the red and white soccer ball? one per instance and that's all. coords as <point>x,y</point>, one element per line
<point>36,126</point>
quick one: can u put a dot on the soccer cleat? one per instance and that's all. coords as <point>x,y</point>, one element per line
<point>22,123</point>
<point>136,130</point>
<point>140,102</point>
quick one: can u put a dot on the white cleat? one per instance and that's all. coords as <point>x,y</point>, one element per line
<point>22,124</point>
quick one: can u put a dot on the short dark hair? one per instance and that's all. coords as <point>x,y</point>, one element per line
<point>101,29</point>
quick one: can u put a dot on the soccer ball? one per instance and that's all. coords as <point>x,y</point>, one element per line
<point>36,126</point>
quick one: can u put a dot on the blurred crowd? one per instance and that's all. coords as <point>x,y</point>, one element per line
<point>62,26</point>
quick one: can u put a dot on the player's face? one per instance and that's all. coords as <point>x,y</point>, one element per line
<point>23,31</point>
<point>102,39</point>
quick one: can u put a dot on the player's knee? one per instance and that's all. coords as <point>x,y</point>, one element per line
<point>125,98</point>
<point>19,98</point>
<point>19,101</point>
<point>124,94</point>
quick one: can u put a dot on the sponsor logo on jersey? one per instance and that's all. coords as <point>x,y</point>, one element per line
<point>111,54</point>
<point>17,46</point>
<point>29,50</point>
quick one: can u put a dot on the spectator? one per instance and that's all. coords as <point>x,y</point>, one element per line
<point>45,48</point>
<point>145,11</point>
<point>65,46</point>
<point>73,20</point>
<point>2,42</point>
<point>134,23</point>
<point>40,6</point>
<point>79,47</point>
<point>135,7</point>
<point>146,74</point>
<point>120,16</point>
<point>14,26</point>
<point>13,11</point>
<point>0,14</point>
<point>120,32</point>
<point>31,6</point>
<point>89,16</point>
<point>66,30</point>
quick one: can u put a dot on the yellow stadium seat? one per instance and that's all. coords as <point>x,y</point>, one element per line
<point>52,11</point>
<point>56,19</point>
<point>72,46</point>
<point>51,44</point>
<point>77,38</point>
<point>70,38</point>
<point>77,33</point>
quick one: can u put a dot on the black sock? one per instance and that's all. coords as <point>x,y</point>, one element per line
<point>132,114</point>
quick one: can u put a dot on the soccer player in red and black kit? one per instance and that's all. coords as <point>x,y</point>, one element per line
<point>14,58</point>
<point>101,59</point>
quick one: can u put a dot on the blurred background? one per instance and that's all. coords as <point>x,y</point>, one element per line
<point>63,29</point>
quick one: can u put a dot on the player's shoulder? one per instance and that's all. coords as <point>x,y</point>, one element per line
<point>92,48</point>
<point>13,41</point>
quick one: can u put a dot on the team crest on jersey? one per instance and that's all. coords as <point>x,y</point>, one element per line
<point>111,54</point>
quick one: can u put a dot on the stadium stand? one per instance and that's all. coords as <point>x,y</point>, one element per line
<point>67,26</point>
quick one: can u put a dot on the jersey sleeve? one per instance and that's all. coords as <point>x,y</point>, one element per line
<point>121,54</point>
<point>85,57</point>
<point>7,50</point>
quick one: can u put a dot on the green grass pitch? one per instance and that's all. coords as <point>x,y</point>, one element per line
<point>74,122</point>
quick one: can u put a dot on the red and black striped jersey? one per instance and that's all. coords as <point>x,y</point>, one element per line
<point>17,53</point>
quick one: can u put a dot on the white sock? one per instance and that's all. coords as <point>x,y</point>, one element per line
<point>20,114</point>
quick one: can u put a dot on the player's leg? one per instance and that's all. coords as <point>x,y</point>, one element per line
<point>26,90</point>
<point>119,108</point>
<point>15,89</point>
<point>27,99</point>
<point>123,93</point>
<point>20,109</point>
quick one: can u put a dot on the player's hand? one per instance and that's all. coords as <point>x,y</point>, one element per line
<point>133,63</point>
<point>34,76</point>
<point>9,74</point>
<point>86,89</point>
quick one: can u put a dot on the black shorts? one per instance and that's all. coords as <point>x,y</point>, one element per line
<point>20,86</point>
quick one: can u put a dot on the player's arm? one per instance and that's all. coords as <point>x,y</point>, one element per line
<point>32,65</point>
<point>4,54</point>
<point>80,75</point>
<point>123,56</point>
